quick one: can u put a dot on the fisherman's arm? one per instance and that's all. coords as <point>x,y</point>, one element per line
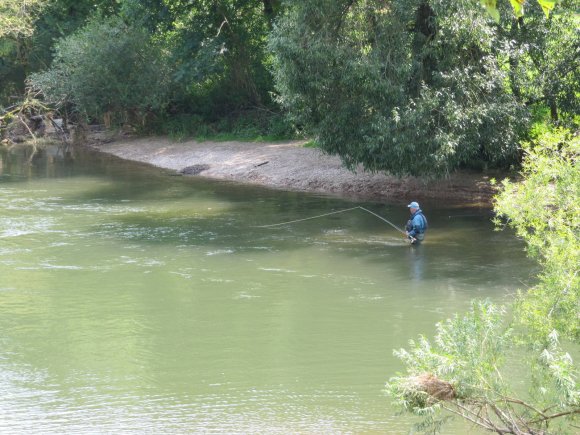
<point>415,227</point>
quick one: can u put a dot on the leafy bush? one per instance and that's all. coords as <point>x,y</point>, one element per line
<point>107,69</point>
<point>544,210</point>
<point>469,353</point>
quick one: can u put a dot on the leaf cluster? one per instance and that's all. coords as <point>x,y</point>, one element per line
<point>217,49</point>
<point>470,352</point>
<point>17,17</point>
<point>543,210</point>
<point>107,67</point>
<point>467,352</point>
<point>410,87</point>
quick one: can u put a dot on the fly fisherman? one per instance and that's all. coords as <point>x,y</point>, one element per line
<point>416,225</point>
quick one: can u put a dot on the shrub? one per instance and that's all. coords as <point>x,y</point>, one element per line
<point>107,70</point>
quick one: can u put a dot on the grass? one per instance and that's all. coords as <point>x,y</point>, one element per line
<point>311,144</point>
<point>250,127</point>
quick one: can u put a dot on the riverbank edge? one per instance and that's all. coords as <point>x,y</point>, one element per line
<point>288,165</point>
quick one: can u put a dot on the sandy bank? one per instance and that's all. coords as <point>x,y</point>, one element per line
<point>289,166</point>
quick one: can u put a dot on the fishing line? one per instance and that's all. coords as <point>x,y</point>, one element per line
<point>382,218</point>
<point>335,212</point>
<point>306,219</point>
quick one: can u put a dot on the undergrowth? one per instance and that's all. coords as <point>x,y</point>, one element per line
<point>252,127</point>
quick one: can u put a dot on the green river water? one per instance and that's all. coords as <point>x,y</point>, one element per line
<point>135,301</point>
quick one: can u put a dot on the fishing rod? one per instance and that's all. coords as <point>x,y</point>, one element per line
<point>335,212</point>
<point>382,218</point>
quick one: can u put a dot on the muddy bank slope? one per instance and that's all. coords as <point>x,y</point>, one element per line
<point>290,166</point>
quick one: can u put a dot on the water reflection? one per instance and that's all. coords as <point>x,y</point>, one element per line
<point>416,259</point>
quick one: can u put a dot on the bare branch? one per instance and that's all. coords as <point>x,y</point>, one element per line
<point>521,402</point>
<point>474,421</point>
<point>553,416</point>
<point>225,21</point>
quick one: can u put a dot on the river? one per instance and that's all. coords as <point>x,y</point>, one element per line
<point>136,301</point>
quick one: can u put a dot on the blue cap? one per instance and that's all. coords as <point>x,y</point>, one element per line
<point>413,205</point>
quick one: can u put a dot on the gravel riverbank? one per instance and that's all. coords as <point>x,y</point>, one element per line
<point>290,166</point>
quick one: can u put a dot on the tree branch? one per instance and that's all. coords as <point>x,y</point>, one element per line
<point>527,405</point>
<point>553,416</point>
<point>474,421</point>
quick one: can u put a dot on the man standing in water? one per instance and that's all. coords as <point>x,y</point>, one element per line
<point>417,225</point>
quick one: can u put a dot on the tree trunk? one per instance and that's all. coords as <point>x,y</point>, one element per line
<point>271,8</point>
<point>425,29</point>
<point>553,110</point>
<point>517,25</point>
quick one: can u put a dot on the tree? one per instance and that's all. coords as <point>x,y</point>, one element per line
<point>59,19</point>
<point>415,87</point>
<point>17,17</point>
<point>543,209</point>
<point>466,369</point>
<point>107,69</point>
<point>543,63</point>
<point>28,31</point>
<point>218,48</point>
<point>422,87</point>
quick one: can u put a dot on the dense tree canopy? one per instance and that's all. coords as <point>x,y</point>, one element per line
<point>218,48</point>
<point>28,31</point>
<point>405,86</point>
<point>419,87</point>
<point>16,27</point>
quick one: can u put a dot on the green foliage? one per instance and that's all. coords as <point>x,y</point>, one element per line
<point>466,352</point>
<point>218,49</point>
<point>252,126</point>
<point>544,210</point>
<point>469,353</point>
<point>543,62</point>
<point>423,87</point>
<point>408,86</point>
<point>107,69</point>
<point>518,7</point>
<point>61,18</point>
<point>28,31</point>
<point>17,17</point>
<point>463,371</point>
<point>12,72</point>
<point>414,87</point>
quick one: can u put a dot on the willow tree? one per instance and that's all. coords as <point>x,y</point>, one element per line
<point>407,86</point>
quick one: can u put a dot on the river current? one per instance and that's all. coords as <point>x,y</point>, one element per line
<point>133,300</point>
